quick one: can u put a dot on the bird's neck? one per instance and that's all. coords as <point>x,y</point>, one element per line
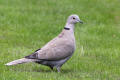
<point>70,26</point>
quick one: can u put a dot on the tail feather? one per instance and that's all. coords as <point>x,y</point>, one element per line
<point>20,61</point>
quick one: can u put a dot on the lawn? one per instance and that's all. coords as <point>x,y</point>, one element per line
<point>26,25</point>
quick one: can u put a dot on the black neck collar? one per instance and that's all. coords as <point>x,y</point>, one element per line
<point>66,28</point>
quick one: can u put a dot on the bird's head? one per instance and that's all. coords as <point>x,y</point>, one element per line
<point>73,19</point>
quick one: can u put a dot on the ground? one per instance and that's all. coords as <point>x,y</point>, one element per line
<point>26,25</point>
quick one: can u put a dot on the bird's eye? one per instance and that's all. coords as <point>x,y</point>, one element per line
<point>73,18</point>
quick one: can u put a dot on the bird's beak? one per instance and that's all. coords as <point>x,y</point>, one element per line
<point>81,21</point>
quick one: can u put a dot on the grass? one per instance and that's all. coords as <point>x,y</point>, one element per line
<point>26,25</point>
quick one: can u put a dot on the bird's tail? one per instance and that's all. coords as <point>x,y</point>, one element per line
<point>20,61</point>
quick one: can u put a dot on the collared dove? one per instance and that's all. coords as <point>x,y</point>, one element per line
<point>57,51</point>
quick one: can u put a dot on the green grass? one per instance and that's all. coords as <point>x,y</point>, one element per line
<point>26,25</point>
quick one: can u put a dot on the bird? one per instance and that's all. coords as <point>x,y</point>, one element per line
<point>57,51</point>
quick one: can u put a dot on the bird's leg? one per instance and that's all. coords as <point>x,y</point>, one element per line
<point>58,69</point>
<point>51,67</point>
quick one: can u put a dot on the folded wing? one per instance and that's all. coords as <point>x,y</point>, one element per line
<point>56,49</point>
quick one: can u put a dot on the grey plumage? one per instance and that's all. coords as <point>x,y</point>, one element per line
<point>56,52</point>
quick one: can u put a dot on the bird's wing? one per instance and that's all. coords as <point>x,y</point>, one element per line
<point>56,49</point>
